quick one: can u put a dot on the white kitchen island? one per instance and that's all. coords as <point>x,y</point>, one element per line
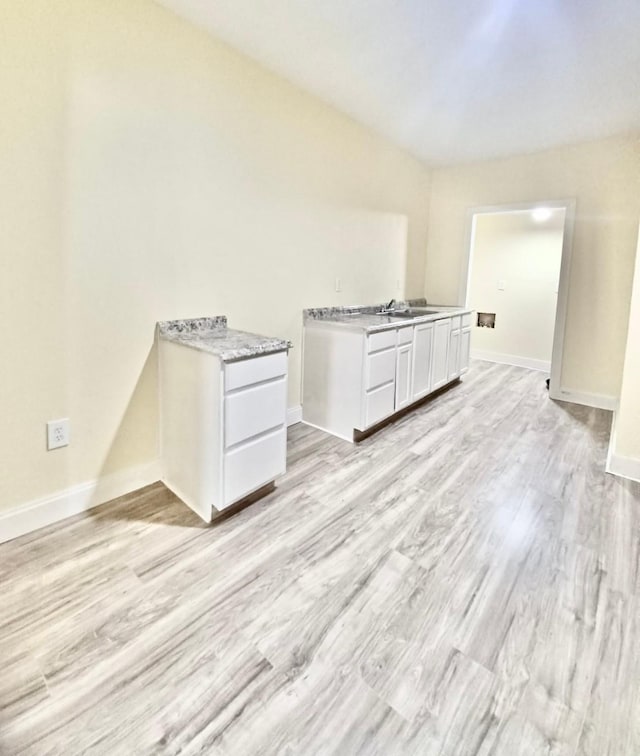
<point>361,368</point>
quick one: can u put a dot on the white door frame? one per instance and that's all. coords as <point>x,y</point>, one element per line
<point>569,206</point>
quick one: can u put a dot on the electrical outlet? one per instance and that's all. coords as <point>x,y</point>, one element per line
<point>338,284</point>
<point>57,433</point>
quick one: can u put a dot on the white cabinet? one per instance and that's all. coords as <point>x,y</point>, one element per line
<point>454,354</point>
<point>440,362</point>
<point>465,342</point>
<point>253,464</point>
<point>254,410</point>
<point>403,376</point>
<point>353,380</point>
<point>222,425</point>
<point>387,374</point>
<point>380,376</point>
<point>381,368</point>
<point>454,348</point>
<point>379,404</point>
<point>255,433</point>
<point>465,349</point>
<point>422,355</point>
<point>382,340</point>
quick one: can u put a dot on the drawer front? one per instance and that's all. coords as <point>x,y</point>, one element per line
<point>405,335</point>
<point>382,340</point>
<point>379,403</point>
<point>381,368</point>
<point>466,320</point>
<point>254,410</point>
<point>456,320</point>
<point>254,464</point>
<point>254,370</point>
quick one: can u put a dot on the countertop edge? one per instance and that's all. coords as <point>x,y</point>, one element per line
<point>401,322</point>
<point>230,355</point>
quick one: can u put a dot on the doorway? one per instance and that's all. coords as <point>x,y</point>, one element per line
<point>516,279</point>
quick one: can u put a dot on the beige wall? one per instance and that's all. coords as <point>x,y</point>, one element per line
<point>151,173</point>
<point>523,256</point>
<point>626,442</point>
<point>603,178</point>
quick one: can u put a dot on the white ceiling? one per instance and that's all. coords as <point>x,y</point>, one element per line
<point>450,80</point>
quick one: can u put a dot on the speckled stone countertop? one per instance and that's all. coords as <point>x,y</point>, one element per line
<point>212,335</point>
<point>364,317</point>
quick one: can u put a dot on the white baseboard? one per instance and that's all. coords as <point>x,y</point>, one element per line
<point>600,401</point>
<point>617,464</point>
<point>84,496</point>
<point>625,467</point>
<point>80,498</point>
<point>512,359</point>
<point>294,415</point>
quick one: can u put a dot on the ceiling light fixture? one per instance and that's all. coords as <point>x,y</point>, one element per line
<point>541,214</point>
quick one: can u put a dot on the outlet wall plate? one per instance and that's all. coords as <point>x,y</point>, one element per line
<point>57,433</point>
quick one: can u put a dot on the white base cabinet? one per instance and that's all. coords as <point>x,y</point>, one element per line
<point>465,349</point>
<point>454,349</point>
<point>353,380</point>
<point>403,394</point>
<point>422,360</point>
<point>222,425</point>
<point>441,344</point>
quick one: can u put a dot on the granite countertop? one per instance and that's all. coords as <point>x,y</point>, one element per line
<point>213,336</point>
<point>364,318</point>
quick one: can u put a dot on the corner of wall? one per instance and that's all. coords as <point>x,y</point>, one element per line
<point>618,464</point>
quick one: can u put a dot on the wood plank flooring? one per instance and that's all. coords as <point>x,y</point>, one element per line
<point>467,581</point>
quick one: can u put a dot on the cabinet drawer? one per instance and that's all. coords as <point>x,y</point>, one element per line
<point>455,322</point>
<point>405,335</point>
<point>254,370</point>
<point>252,465</point>
<point>382,340</point>
<point>379,403</point>
<point>466,320</point>
<point>381,368</point>
<point>254,410</point>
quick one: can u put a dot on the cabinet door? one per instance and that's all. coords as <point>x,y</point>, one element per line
<point>403,376</point>
<point>440,366</point>
<point>454,355</point>
<point>422,351</point>
<point>465,349</point>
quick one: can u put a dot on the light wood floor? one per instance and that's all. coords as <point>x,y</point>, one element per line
<point>467,581</point>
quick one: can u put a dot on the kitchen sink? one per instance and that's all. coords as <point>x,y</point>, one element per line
<point>400,314</point>
<point>411,313</point>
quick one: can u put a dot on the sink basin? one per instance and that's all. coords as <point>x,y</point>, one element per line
<point>410,313</point>
<point>403,314</point>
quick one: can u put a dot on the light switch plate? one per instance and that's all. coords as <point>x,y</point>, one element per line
<point>501,285</point>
